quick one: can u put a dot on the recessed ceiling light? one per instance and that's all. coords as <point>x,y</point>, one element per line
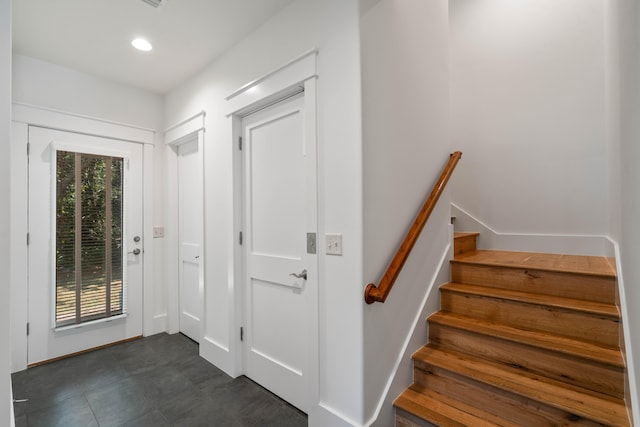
<point>141,44</point>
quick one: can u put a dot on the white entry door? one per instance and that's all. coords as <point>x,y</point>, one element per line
<point>190,216</point>
<point>281,276</point>
<point>85,242</point>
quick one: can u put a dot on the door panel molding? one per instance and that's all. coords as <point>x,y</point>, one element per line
<point>298,75</point>
<point>280,209</point>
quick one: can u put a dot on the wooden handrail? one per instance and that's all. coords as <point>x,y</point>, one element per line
<point>373,293</point>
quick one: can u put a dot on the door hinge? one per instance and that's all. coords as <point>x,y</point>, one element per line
<point>28,238</point>
<point>28,148</point>
<point>241,333</point>
<point>240,143</point>
<point>28,328</point>
<point>240,238</point>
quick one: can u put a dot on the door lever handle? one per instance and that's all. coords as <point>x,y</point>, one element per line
<point>136,251</point>
<point>302,275</point>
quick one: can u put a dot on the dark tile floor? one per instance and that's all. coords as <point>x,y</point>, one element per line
<point>156,381</point>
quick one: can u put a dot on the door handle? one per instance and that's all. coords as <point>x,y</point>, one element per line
<point>302,275</point>
<point>136,251</point>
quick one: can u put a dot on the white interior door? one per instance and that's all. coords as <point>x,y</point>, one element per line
<point>279,211</point>
<point>56,329</point>
<point>191,230</point>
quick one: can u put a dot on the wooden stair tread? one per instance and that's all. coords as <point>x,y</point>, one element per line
<point>574,400</point>
<point>444,410</point>
<point>577,264</point>
<point>592,307</point>
<point>560,344</point>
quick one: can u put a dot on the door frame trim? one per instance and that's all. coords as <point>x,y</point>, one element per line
<point>295,76</point>
<point>23,116</point>
<point>174,137</point>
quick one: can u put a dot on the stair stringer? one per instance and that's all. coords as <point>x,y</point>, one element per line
<point>632,391</point>
<point>402,375</point>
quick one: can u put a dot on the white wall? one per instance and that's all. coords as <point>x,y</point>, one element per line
<point>6,406</point>
<point>406,145</point>
<point>405,103</point>
<point>626,13</point>
<point>528,111</point>
<point>43,84</point>
<point>331,26</point>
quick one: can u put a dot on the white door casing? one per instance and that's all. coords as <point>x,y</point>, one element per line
<point>185,167</point>
<point>190,201</point>
<point>44,342</point>
<point>279,210</point>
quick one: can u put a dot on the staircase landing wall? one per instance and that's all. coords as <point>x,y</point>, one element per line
<point>549,243</point>
<point>528,111</point>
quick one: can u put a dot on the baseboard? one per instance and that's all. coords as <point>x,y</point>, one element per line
<point>12,415</point>
<point>218,355</point>
<point>159,323</point>
<point>324,415</point>
<point>550,243</point>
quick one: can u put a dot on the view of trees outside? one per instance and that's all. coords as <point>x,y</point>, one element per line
<point>97,291</point>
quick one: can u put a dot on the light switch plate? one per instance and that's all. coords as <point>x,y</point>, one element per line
<point>334,244</point>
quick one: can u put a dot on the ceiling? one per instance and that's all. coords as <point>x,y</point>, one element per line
<point>95,36</point>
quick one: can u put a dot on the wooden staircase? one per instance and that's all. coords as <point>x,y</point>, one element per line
<point>522,339</point>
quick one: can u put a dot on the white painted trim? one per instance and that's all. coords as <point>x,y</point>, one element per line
<point>447,254</point>
<point>273,86</point>
<point>92,323</point>
<point>550,243</point>
<point>219,355</point>
<point>186,121</point>
<point>325,415</point>
<point>148,281</point>
<point>19,251</point>
<point>216,344</point>
<point>631,368</point>
<point>314,225</point>
<point>235,298</point>
<point>301,59</point>
<point>159,323</point>
<point>61,145</point>
<point>70,122</point>
<point>176,135</point>
<point>171,241</point>
<point>81,116</point>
